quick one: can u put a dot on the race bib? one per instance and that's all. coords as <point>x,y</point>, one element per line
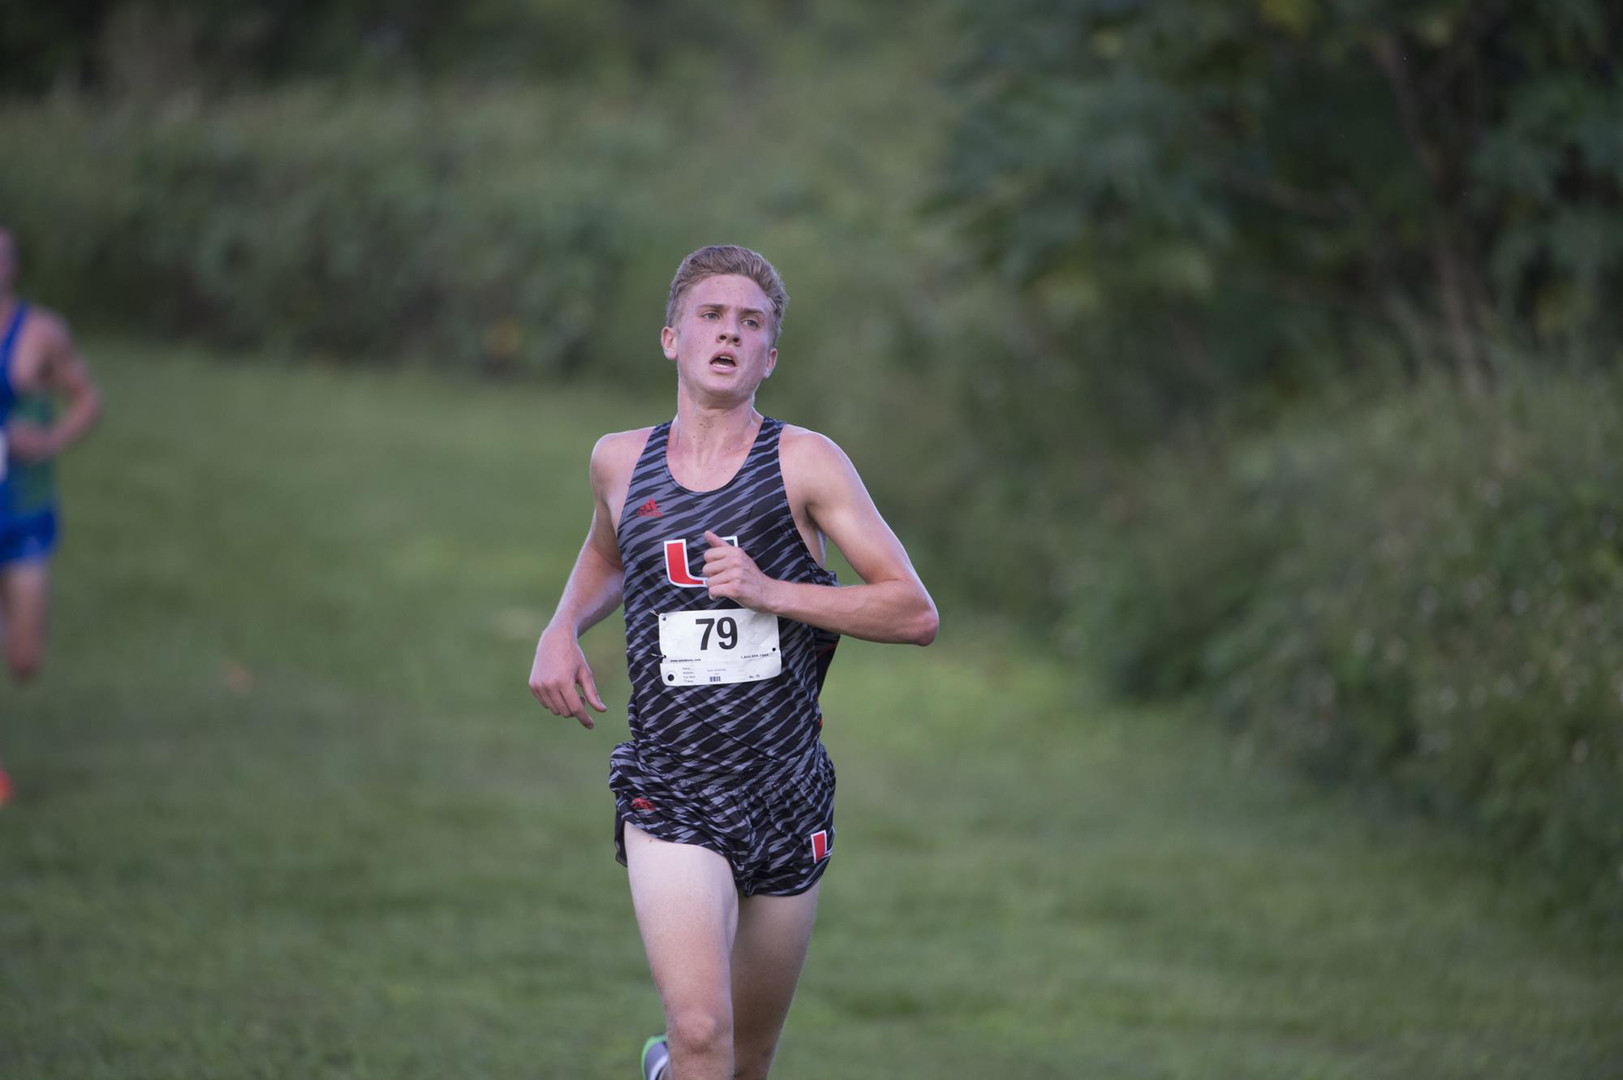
<point>730,645</point>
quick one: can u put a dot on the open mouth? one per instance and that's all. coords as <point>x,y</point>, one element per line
<point>724,360</point>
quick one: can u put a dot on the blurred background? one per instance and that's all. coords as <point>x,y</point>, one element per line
<point>1255,363</point>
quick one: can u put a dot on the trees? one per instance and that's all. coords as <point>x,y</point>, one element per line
<point>1274,190</point>
<point>123,46</point>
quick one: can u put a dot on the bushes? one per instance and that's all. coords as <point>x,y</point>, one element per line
<point>1425,594</point>
<point>379,228</point>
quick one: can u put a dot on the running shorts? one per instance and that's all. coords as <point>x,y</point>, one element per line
<point>27,537</point>
<point>774,825</point>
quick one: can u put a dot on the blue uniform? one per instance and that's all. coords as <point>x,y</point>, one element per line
<point>725,721</point>
<point>27,506</point>
<point>14,329</point>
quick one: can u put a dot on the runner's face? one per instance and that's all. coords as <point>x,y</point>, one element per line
<point>722,340</point>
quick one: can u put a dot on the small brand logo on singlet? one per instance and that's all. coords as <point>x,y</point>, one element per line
<point>649,509</point>
<point>820,845</point>
<point>640,803</point>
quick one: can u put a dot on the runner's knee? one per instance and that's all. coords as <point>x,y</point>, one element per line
<point>24,660</point>
<point>701,1032</point>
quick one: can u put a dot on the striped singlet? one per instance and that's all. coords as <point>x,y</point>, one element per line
<point>716,732</point>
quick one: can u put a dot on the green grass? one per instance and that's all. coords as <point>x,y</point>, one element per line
<point>287,809</point>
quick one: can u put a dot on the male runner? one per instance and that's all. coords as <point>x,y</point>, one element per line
<point>711,529</point>
<point>38,364</point>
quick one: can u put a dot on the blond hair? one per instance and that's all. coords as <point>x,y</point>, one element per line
<point>720,259</point>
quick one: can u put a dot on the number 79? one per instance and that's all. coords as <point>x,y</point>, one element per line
<point>726,630</point>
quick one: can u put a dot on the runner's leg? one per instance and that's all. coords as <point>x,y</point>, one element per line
<point>773,933</point>
<point>25,589</point>
<point>687,911</point>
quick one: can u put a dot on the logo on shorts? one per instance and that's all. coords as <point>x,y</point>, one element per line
<point>820,845</point>
<point>641,803</point>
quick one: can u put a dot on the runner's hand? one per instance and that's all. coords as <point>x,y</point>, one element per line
<point>30,441</point>
<point>560,666</point>
<point>732,574</point>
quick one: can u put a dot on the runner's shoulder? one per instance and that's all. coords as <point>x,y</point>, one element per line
<point>46,327</point>
<point>810,454</point>
<point>617,445</point>
<point>46,332</point>
<point>615,454</point>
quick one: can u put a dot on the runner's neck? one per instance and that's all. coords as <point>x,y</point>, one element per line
<point>702,435</point>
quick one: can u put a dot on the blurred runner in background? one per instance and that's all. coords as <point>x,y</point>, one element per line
<point>39,369</point>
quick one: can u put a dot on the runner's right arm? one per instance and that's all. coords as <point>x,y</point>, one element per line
<point>560,677</point>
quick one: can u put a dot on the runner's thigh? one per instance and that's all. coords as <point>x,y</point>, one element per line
<point>25,593</point>
<point>687,912</point>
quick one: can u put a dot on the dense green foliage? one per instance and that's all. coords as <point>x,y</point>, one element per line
<point>297,223</point>
<point>143,47</point>
<point>1422,593</point>
<point>1211,198</point>
<point>1201,208</point>
<point>43,43</point>
<point>480,225</point>
<point>286,810</point>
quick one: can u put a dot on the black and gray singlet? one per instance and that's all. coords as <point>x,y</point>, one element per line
<point>712,730</point>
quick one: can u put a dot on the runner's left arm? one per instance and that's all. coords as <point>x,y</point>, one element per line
<point>892,604</point>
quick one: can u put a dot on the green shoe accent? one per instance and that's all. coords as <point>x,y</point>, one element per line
<point>656,1058</point>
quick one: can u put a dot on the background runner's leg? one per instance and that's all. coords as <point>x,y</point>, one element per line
<point>24,600</point>
<point>687,911</point>
<point>773,933</point>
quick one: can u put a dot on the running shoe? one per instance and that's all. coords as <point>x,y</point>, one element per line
<point>656,1059</point>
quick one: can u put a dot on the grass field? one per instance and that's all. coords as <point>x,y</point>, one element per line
<point>287,809</point>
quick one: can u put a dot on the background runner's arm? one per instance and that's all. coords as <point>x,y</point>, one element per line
<point>892,605</point>
<point>64,375</point>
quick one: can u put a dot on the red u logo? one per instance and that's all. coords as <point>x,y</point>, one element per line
<point>676,563</point>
